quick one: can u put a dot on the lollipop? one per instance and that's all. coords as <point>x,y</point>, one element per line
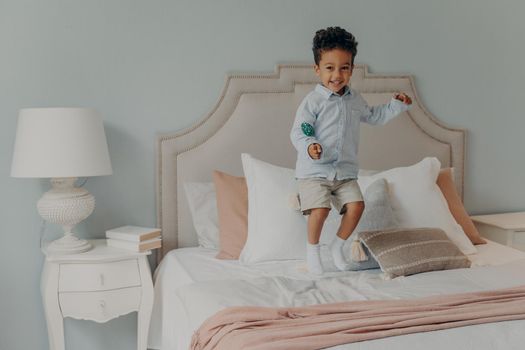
<point>308,129</point>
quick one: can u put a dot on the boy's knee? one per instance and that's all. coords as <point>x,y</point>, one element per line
<point>355,207</point>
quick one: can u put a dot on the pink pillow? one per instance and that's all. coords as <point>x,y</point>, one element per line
<point>447,187</point>
<point>232,208</point>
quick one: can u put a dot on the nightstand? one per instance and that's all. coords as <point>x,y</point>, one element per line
<point>98,285</point>
<point>507,228</point>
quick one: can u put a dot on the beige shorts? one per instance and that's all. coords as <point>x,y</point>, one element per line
<point>318,192</point>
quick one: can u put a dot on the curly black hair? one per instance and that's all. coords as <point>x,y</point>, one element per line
<point>333,38</point>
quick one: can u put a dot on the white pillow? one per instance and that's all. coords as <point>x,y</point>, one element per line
<point>275,230</point>
<point>202,201</point>
<point>417,200</point>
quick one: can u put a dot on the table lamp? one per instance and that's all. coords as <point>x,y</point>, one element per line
<point>62,144</point>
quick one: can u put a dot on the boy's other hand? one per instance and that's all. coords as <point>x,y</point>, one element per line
<point>315,150</point>
<point>403,98</point>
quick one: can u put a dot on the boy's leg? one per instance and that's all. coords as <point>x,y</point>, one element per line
<point>349,199</point>
<point>316,220</point>
<point>349,221</point>
<point>315,202</point>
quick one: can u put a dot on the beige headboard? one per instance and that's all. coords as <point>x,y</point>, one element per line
<point>254,114</point>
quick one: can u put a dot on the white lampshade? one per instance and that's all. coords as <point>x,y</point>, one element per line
<point>60,142</point>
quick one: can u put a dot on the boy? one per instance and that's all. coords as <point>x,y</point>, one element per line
<point>326,136</point>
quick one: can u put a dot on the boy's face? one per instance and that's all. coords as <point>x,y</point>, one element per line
<point>335,69</point>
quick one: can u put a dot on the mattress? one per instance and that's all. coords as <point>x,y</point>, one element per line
<point>191,285</point>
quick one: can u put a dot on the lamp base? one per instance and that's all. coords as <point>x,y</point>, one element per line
<point>66,205</point>
<point>68,244</point>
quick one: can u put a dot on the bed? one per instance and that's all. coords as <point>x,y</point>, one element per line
<point>191,285</point>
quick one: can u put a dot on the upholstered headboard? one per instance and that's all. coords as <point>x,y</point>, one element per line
<point>254,114</point>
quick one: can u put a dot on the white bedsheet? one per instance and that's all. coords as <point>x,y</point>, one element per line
<point>191,285</point>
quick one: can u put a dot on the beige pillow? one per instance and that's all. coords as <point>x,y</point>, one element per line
<point>445,183</point>
<point>403,252</point>
<point>232,208</point>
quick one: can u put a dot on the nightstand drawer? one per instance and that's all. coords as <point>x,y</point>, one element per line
<point>100,306</point>
<point>95,277</point>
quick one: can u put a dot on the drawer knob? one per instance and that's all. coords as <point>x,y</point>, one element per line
<point>102,303</point>
<point>101,279</point>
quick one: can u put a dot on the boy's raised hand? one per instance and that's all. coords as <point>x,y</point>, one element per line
<point>315,150</point>
<point>401,96</point>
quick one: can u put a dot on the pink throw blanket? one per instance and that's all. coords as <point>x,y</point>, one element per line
<point>325,325</point>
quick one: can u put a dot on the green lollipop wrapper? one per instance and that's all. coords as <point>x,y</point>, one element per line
<point>308,129</point>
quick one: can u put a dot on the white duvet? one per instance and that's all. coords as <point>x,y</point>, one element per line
<point>191,285</point>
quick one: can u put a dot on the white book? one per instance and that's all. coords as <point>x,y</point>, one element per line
<point>135,246</point>
<point>133,233</point>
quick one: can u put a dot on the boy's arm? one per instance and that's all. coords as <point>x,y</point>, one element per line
<point>303,130</point>
<point>381,114</point>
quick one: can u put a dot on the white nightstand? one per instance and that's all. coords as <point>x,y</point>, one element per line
<point>98,285</point>
<point>507,228</point>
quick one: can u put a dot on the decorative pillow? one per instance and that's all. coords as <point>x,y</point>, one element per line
<point>404,252</point>
<point>203,207</point>
<point>232,207</point>
<point>275,230</point>
<point>417,200</point>
<point>445,181</point>
<point>378,213</point>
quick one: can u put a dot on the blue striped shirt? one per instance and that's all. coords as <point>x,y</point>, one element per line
<point>333,121</point>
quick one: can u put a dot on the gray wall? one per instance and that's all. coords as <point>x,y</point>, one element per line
<point>157,66</point>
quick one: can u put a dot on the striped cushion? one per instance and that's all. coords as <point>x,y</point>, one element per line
<point>403,252</point>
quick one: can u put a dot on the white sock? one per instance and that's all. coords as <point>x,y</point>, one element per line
<point>313,258</point>
<point>336,248</point>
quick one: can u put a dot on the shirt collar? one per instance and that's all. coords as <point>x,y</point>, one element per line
<point>327,92</point>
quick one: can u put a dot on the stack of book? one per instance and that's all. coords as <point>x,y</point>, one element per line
<point>135,238</point>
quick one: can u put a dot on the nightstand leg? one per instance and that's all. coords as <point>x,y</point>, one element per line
<point>54,320</point>
<point>146,304</point>
<point>55,331</point>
